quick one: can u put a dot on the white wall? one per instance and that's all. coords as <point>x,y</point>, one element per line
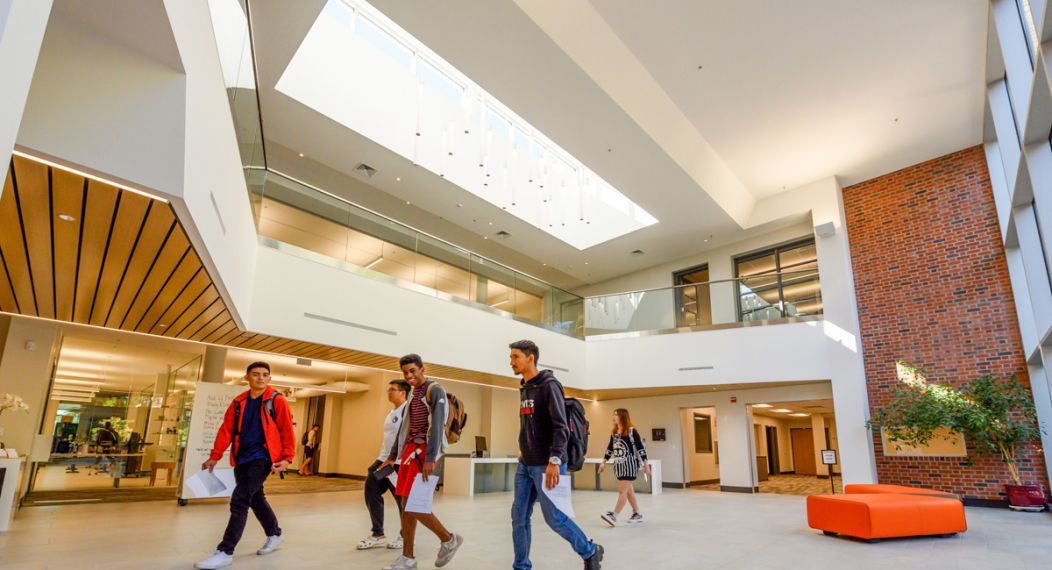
<point>22,25</point>
<point>785,446</point>
<point>287,286</point>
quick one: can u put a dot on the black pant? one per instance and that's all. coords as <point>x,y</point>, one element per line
<point>374,498</point>
<point>248,493</point>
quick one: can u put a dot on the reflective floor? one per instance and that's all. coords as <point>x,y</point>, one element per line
<point>684,529</point>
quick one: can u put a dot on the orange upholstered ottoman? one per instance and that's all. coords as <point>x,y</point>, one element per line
<point>867,489</point>
<point>885,515</point>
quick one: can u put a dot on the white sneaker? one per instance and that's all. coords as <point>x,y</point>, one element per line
<point>219,559</point>
<point>609,518</point>
<point>636,518</point>
<point>402,563</point>
<point>271,544</point>
<point>395,544</point>
<point>372,542</point>
<point>448,549</point>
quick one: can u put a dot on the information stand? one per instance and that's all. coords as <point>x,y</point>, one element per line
<point>829,460</point>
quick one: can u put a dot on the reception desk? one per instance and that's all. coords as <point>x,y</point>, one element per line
<point>467,476</point>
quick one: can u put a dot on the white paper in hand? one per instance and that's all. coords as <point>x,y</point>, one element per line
<point>560,495</point>
<point>422,495</point>
<point>207,483</point>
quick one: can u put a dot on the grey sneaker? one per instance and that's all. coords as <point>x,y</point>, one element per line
<point>402,563</point>
<point>636,518</point>
<point>271,544</point>
<point>219,559</point>
<point>609,518</point>
<point>448,549</point>
<point>595,562</point>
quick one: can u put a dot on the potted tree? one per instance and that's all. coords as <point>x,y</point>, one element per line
<point>994,416</point>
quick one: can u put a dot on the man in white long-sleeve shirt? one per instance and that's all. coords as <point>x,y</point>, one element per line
<point>397,392</point>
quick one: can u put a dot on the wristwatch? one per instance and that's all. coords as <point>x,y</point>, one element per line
<point>555,461</point>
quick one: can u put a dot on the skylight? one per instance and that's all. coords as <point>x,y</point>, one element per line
<point>362,70</point>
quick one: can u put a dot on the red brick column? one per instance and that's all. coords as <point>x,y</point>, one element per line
<point>933,288</point>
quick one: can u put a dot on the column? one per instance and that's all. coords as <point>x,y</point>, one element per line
<point>22,25</point>
<point>214,365</point>
<point>737,458</point>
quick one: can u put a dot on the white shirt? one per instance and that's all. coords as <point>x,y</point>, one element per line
<point>391,426</point>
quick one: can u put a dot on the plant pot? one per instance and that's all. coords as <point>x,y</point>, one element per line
<point>1025,496</point>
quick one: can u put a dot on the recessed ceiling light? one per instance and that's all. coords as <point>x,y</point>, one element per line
<point>407,202</point>
<point>301,155</point>
<point>799,415</point>
<point>491,223</point>
<point>162,325</point>
<point>544,265</point>
<point>781,410</point>
<point>66,217</point>
<point>586,263</point>
<point>761,405</point>
<point>397,179</point>
<point>485,237</point>
<point>460,205</point>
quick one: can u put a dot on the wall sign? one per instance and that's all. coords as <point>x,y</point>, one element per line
<point>828,457</point>
<point>658,434</point>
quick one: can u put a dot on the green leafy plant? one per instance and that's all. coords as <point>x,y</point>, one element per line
<point>995,416</point>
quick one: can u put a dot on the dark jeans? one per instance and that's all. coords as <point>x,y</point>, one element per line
<point>374,498</point>
<point>248,494</point>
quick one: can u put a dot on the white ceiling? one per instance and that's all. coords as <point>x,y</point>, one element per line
<point>790,93</point>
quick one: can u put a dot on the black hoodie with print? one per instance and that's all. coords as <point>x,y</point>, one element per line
<point>543,431</point>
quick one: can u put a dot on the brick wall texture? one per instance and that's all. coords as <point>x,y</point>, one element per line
<point>932,287</point>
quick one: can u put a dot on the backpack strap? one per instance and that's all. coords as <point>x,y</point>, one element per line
<point>237,418</point>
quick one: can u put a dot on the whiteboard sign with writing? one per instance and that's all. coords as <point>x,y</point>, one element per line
<point>211,401</point>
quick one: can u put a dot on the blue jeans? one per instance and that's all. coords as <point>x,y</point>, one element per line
<point>528,481</point>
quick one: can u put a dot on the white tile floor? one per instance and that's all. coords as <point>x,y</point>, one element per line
<point>683,530</point>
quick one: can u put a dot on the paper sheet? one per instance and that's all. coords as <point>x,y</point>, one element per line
<point>560,495</point>
<point>421,495</point>
<point>211,483</point>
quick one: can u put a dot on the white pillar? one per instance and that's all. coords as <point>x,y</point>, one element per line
<point>22,25</point>
<point>737,458</point>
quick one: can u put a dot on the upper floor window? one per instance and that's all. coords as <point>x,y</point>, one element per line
<point>779,282</point>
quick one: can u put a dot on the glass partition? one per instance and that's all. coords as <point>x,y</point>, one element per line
<point>310,219</point>
<point>754,298</point>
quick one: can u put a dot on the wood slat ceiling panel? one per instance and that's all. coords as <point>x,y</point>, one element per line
<point>33,195</point>
<point>152,241</point>
<point>124,261</point>
<point>128,224</point>
<point>180,279</point>
<point>14,250</point>
<point>208,298</point>
<point>190,293</point>
<point>100,202</point>
<point>175,248</point>
<point>67,191</point>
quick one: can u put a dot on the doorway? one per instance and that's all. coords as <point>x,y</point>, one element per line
<point>803,440</point>
<point>701,458</point>
<point>693,301</point>
<point>773,464</point>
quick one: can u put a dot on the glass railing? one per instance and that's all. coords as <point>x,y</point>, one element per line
<point>297,214</point>
<point>754,298</point>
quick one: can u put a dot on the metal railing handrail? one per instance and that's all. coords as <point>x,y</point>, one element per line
<point>686,285</point>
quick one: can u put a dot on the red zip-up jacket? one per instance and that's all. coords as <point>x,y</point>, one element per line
<point>280,441</point>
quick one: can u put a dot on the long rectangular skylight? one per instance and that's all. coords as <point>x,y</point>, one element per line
<point>359,68</point>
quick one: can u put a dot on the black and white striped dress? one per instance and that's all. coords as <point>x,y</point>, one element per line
<point>627,454</point>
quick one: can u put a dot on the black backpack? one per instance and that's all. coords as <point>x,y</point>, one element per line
<point>577,442</point>
<point>303,440</point>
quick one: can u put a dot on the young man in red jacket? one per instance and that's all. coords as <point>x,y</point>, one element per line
<point>258,428</point>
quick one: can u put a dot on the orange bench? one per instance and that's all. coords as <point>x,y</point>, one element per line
<point>868,489</point>
<point>874,516</point>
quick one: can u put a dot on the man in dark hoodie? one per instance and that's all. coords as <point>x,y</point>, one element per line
<point>543,433</point>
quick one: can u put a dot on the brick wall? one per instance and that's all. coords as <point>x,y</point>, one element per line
<point>933,288</point>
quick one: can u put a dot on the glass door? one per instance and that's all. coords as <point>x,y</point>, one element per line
<point>693,302</point>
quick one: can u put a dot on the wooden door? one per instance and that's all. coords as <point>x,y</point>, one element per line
<point>773,463</point>
<point>803,451</point>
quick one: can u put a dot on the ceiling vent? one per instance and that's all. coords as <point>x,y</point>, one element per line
<point>637,252</point>
<point>503,234</point>
<point>365,170</point>
<point>303,361</point>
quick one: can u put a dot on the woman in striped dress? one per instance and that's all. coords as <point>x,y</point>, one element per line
<point>627,453</point>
